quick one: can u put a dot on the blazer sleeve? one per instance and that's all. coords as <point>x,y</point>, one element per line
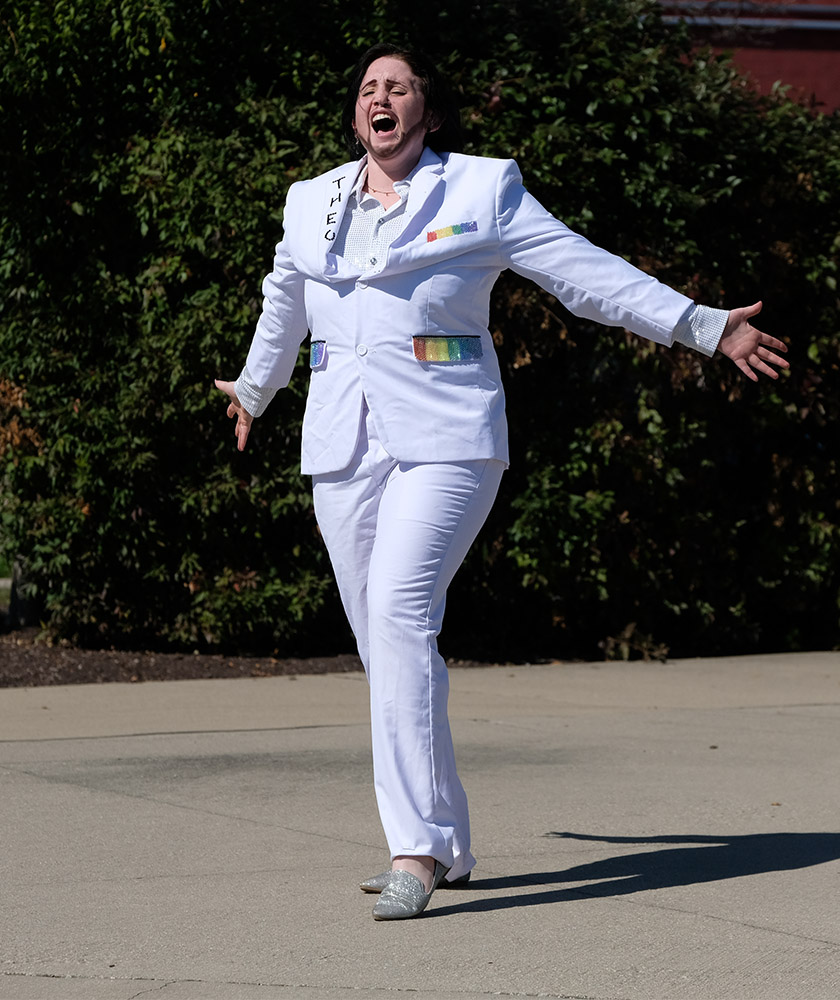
<point>590,282</point>
<point>282,325</point>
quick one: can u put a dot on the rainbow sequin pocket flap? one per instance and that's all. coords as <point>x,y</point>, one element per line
<point>460,229</point>
<point>317,353</point>
<point>447,348</point>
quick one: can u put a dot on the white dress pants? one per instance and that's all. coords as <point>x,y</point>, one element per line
<point>396,533</point>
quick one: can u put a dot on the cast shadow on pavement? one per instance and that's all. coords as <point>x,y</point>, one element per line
<point>708,859</point>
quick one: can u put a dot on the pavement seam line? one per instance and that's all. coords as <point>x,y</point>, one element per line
<point>159,986</point>
<point>13,769</point>
<point>706,916</point>
<point>180,732</point>
<point>154,989</point>
<point>528,882</point>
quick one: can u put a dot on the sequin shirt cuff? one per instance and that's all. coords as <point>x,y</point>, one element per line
<point>701,328</point>
<point>251,396</point>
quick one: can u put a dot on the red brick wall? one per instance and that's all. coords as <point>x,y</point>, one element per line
<point>796,42</point>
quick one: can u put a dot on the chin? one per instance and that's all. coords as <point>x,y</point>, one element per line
<point>387,152</point>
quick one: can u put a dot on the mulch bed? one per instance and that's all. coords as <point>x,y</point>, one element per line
<point>26,661</point>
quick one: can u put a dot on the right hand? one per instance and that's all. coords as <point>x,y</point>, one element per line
<point>749,348</point>
<point>236,409</point>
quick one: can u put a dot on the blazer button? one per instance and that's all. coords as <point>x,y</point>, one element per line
<point>361,350</point>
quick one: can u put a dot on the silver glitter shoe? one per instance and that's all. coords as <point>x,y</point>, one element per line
<point>405,896</point>
<point>376,883</point>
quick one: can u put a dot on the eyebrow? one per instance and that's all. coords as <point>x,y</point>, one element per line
<point>391,82</point>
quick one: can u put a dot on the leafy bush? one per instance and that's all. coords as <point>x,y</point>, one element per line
<point>654,499</point>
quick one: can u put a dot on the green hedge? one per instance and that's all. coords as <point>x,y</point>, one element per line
<point>654,500</point>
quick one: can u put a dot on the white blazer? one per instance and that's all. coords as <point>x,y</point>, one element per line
<point>411,336</point>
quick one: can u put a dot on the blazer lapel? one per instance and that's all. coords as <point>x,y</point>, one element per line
<point>337,187</point>
<point>425,191</point>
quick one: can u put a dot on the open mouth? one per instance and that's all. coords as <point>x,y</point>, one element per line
<point>382,123</point>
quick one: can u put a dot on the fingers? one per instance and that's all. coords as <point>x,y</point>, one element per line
<point>242,429</point>
<point>764,357</point>
<point>767,341</point>
<point>243,424</point>
<point>759,365</point>
<point>772,358</point>
<point>760,361</point>
<point>745,368</point>
<point>237,410</point>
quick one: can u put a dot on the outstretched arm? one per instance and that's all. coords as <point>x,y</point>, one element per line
<point>748,348</point>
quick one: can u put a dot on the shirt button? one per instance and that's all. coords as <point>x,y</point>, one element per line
<point>372,261</point>
<point>361,350</point>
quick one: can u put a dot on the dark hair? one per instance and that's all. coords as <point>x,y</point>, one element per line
<point>440,104</point>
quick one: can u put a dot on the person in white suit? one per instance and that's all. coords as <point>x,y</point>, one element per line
<point>388,262</point>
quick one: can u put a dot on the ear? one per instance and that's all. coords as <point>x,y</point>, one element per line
<point>434,121</point>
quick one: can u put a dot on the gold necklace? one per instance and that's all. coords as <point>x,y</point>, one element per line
<point>377,191</point>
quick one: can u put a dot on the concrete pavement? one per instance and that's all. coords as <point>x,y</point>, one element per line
<point>643,832</point>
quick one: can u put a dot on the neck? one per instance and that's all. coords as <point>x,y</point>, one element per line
<point>382,174</point>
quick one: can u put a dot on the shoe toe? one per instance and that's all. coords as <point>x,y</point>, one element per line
<point>403,897</point>
<point>376,883</point>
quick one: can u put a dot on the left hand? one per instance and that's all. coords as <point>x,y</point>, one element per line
<point>236,409</point>
<point>748,347</point>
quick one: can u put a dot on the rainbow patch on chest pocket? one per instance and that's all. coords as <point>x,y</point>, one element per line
<point>456,230</point>
<point>447,348</point>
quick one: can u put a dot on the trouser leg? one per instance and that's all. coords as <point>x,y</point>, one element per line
<point>396,534</point>
<point>429,516</point>
<point>347,511</point>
